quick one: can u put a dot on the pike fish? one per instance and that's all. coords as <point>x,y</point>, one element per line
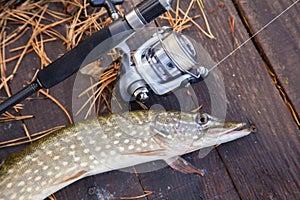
<point>111,142</point>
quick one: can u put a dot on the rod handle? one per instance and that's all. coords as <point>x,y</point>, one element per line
<point>18,97</point>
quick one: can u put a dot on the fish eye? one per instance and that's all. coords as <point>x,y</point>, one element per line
<point>202,119</point>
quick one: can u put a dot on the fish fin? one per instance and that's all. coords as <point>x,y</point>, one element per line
<point>74,177</point>
<point>204,151</point>
<point>157,152</point>
<point>180,164</point>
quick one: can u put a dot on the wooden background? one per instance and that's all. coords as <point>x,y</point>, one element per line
<point>264,165</point>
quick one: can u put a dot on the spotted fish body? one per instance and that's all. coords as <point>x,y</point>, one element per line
<point>104,144</point>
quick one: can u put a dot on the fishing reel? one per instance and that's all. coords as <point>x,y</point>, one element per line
<point>166,61</point>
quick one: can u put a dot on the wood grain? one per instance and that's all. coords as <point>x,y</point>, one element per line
<point>264,165</point>
<point>279,42</point>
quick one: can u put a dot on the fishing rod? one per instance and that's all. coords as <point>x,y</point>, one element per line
<point>70,63</point>
<point>162,63</point>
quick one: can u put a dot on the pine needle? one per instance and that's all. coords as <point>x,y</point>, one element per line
<point>147,193</point>
<point>106,79</point>
<point>42,22</point>
<point>7,117</point>
<point>197,109</point>
<point>58,104</point>
<point>52,197</point>
<point>27,132</point>
<point>180,20</point>
<point>24,140</point>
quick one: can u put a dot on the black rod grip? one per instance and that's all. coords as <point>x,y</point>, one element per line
<point>71,62</point>
<point>18,97</point>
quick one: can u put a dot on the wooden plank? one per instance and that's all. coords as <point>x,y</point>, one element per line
<point>111,185</point>
<point>250,162</point>
<point>272,160</point>
<point>262,165</point>
<point>48,115</point>
<point>9,131</point>
<point>114,184</point>
<point>166,183</point>
<point>51,116</point>
<point>39,106</point>
<point>13,130</point>
<point>278,42</point>
<point>169,184</point>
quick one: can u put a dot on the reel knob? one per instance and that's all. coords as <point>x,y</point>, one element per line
<point>109,5</point>
<point>141,94</point>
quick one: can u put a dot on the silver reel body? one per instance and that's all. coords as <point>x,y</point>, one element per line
<point>166,61</point>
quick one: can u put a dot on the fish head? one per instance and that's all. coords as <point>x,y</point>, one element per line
<point>182,132</point>
<point>216,131</point>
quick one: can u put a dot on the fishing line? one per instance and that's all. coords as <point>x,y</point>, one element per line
<point>260,30</point>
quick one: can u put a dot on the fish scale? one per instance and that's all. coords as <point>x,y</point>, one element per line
<point>107,143</point>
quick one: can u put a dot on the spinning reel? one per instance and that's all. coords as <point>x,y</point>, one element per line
<point>166,61</point>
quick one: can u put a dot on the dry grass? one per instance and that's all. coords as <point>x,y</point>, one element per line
<point>147,193</point>
<point>41,23</point>
<point>99,93</point>
<point>32,137</point>
<point>180,19</point>
<point>197,109</point>
<point>7,117</point>
<point>38,24</point>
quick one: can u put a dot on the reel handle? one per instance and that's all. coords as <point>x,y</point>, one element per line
<point>109,5</point>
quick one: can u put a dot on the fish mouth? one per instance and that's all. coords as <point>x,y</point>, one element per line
<point>234,127</point>
<point>236,130</point>
<point>219,130</point>
<point>240,128</point>
<point>217,127</point>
